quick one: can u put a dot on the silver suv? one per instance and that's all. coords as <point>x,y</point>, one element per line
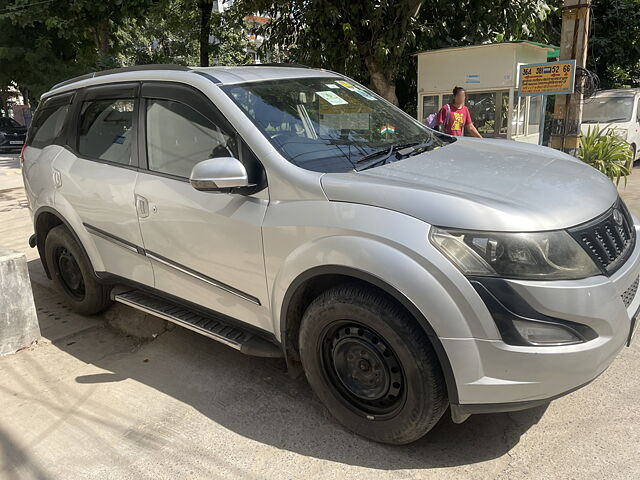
<point>291,212</point>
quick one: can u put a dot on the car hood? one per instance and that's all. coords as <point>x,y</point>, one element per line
<point>495,185</point>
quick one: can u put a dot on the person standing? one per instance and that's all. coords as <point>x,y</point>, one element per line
<point>455,117</point>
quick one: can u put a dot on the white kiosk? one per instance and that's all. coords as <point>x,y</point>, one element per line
<point>489,74</point>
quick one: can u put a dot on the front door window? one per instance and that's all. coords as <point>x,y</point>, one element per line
<point>179,137</point>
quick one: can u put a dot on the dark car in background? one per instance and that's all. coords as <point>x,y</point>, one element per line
<point>12,134</point>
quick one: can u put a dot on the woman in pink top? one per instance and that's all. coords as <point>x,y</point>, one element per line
<point>455,116</point>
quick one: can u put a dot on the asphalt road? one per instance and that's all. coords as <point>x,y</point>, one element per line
<point>90,402</point>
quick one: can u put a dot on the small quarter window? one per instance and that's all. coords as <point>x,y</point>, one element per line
<point>47,126</point>
<point>106,130</point>
<point>178,137</point>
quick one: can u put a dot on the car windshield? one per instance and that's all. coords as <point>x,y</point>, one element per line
<point>6,122</point>
<point>330,124</point>
<point>607,110</point>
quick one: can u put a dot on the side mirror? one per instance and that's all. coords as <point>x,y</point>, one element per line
<point>218,175</point>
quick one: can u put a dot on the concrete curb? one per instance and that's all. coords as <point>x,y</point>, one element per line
<point>18,318</point>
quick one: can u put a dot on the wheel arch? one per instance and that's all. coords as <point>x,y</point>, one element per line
<point>45,219</point>
<point>309,284</point>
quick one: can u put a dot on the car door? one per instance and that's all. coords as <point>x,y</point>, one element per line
<point>96,175</point>
<point>205,247</point>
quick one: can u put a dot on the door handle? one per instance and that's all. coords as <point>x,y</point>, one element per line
<point>142,206</point>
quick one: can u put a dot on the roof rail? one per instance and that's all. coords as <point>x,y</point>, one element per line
<point>275,64</point>
<point>134,68</point>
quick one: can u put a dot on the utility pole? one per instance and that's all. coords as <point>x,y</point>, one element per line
<point>567,113</point>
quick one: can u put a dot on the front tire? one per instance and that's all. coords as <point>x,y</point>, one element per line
<point>72,273</point>
<point>371,365</point>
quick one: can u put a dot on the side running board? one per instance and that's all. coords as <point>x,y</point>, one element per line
<point>214,327</point>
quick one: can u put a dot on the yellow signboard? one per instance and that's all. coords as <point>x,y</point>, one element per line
<point>551,78</point>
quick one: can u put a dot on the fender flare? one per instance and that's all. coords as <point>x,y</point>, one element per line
<point>40,240</point>
<point>447,371</point>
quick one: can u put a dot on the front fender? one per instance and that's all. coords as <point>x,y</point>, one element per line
<point>379,260</point>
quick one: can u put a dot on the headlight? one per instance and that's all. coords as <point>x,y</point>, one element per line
<point>534,256</point>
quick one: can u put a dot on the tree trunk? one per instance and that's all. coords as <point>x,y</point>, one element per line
<point>103,32</point>
<point>382,82</point>
<point>205,7</point>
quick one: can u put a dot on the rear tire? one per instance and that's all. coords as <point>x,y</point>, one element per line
<point>371,365</point>
<point>72,273</point>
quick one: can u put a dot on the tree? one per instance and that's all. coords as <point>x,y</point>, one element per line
<point>204,7</point>
<point>358,38</point>
<point>171,34</point>
<point>614,49</point>
<point>373,41</point>
<point>80,20</point>
<point>42,43</point>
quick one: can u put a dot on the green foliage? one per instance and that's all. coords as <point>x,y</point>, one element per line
<point>42,43</point>
<point>232,43</point>
<point>604,150</point>
<point>373,41</point>
<point>472,22</point>
<point>614,48</point>
<point>366,40</point>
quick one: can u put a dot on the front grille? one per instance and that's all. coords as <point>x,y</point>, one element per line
<point>630,293</point>
<point>609,239</point>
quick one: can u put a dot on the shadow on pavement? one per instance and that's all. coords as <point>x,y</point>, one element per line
<point>255,398</point>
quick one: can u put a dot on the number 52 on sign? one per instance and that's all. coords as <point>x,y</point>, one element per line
<point>551,78</point>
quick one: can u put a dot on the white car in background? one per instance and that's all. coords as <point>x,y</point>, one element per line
<point>618,109</point>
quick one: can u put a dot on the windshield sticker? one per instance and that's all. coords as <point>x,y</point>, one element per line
<point>332,98</point>
<point>387,129</point>
<point>347,85</point>
<point>364,94</point>
<point>332,85</point>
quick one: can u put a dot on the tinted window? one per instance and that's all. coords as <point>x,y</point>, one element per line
<point>106,130</point>
<point>47,126</point>
<point>178,137</point>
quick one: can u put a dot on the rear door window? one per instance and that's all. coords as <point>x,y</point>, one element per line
<point>106,130</point>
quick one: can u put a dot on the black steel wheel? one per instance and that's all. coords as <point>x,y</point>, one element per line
<point>72,273</point>
<point>363,368</point>
<point>371,364</point>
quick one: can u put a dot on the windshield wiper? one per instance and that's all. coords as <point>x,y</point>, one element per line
<point>386,154</point>
<point>402,149</point>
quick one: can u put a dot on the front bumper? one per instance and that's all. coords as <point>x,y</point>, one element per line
<point>494,376</point>
<point>12,142</point>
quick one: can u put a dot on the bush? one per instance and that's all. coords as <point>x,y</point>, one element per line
<point>607,152</point>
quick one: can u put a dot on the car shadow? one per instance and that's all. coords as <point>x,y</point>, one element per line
<point>256,398</point>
